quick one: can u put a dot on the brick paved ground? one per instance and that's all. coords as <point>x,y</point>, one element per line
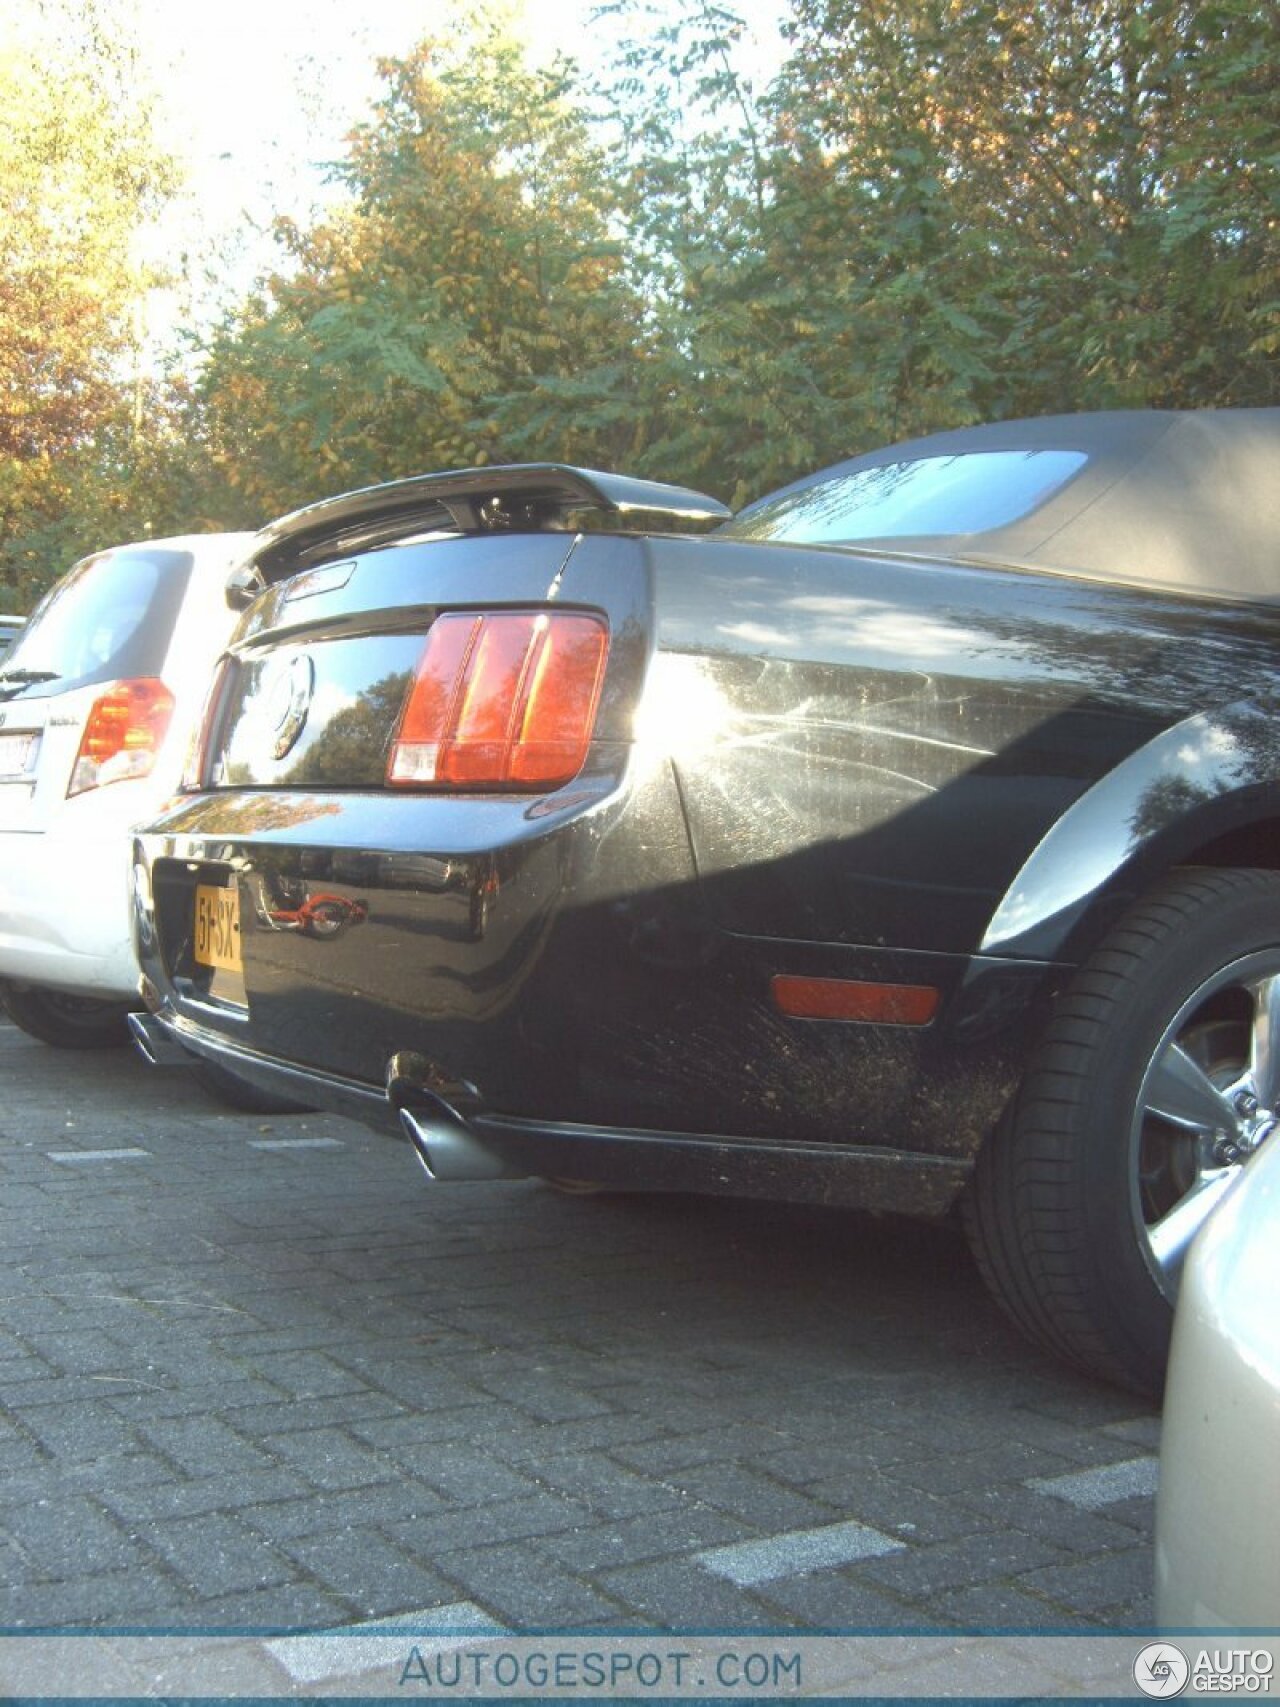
<point>259,1373</point>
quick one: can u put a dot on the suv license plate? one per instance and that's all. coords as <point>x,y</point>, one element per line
<point>217,927</point>
<point>15,754</point>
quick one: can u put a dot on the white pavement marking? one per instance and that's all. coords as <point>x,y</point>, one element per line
<point>1092,1489</point>
<point>95,1155</point>
<point>325,1653</point>
<point>792,1555</point>
<point>295,1144</point>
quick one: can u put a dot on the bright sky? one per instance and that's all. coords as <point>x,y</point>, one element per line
<point>256,95</point>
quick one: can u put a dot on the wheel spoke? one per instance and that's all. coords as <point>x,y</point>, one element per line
<point>1171,1236</point>
<point>1265,1044</point>
<point>1180,1091</point>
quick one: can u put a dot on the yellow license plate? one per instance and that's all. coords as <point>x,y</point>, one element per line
<point>217,927</point>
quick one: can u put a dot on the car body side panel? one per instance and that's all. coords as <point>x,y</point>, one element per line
<point>1202,778</point>
<point>870,751</point>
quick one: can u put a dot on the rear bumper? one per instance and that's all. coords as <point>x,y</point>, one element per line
<point>456,1145</point>
<point>64,910</point>
<point>564,998</point>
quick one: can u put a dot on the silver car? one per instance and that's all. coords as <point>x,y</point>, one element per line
<point>1218,1510</point>
<point>98,697</point>
<point>97,701</point>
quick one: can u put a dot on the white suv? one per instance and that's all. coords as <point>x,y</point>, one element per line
<point>98,698</point>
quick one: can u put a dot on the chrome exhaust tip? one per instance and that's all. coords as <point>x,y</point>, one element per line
<point>156,1047</point>
<point>427,1101</point>
<point>448,1150</point>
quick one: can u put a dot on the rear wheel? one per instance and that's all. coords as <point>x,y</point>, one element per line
<point>65,1021</point>
<point>1156,1079</point>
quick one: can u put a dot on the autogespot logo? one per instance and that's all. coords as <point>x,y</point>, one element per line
<point>1161,1670</point>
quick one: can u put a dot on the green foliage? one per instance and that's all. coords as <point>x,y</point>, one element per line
<point>944,211</point>
<point>425,327</point>
<point>936,212</point>
<point>1087,196</point>
<point>124,481</point>
<point>79,172</point>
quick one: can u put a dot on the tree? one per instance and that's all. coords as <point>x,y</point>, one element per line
<point>418,327</point>
<point>79,172</point>
<point>1076,205</point>
<point>945,211</point>
<point>721,394</point>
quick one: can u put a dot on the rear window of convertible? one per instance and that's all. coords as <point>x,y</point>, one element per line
<point>972,492</point>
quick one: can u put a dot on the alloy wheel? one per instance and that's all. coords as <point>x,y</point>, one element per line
<point>1210,1097</point>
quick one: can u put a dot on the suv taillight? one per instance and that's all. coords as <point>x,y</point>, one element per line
<point>502,699</point>
<point>122,736</point>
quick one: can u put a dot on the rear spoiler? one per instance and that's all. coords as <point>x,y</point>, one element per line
<point>523,498</point>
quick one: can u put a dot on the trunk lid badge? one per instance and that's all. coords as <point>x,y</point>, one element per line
<point>288,700</point>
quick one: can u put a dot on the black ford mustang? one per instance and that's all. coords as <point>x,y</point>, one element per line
<point>908,840</point>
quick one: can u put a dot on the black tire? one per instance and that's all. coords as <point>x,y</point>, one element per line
<point>66,1022</point>
<point>1084,1200</point>
<point>238,1093</point>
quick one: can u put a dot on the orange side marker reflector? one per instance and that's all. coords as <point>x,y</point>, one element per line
<point>847,999</point>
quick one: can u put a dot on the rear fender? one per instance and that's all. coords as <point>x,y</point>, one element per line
<point>1204,778</point>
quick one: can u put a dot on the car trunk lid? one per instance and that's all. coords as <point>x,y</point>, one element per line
<point>314,687</point>
<point>343,596</point>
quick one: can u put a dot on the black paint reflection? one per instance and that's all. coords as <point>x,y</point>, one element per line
<point>352,746</point>
<point>289,904</point>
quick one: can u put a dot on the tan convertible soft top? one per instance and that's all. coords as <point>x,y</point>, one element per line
<point>1182,499</point>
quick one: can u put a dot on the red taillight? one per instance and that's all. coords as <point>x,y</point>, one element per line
<point>123,734</point>
<point>501,700</point>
